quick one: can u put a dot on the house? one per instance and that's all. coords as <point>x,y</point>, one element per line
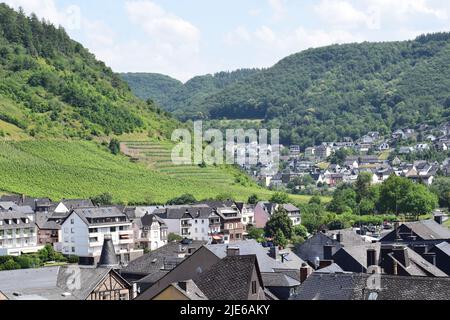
<point>66,205</point>
<point>312,250</point>
<point>233,278</point>
<point>150,267</point>
<point>422,147</point>
<point>351,286</point>
<point>293,213</point>
<point>150,232</point>
<point>231,224</point>
<point>69,282</point>
<point>405,150</point>
<point>248,214</point>
<point>48,230</point>
<point>383,146</point>
<point>294,150</point>
<point>322,152</point>
<point>441,252</point>
<point>83,232</point>
<point>418,232</point>
<point>18,233</point>
<point>263,212</point>
<point>310,153</point>
<point>393,259</point>
<point>441,146</point>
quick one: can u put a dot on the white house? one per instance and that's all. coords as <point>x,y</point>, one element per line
<point>84,230</point>
<point>18,234</point>
<point>150,232</point>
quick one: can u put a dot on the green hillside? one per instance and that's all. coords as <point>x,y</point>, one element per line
<point>50,86</point>
<point>83,169</point>
<point>342,90</point>
<point>183,100</point>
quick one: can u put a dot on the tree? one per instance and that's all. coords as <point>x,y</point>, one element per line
<point>253,199</point>
<point>362,186</point>
<point>279,221</point>
<point>224,197</point>
<point>315,200</point>
<point>114,146</point>
<point>255,233</point>
<point>183,199</point>
<point>344,200</point>
<point>402,196</point>
<point>280,239</point>
<point>313,216</point>
<point>441,187</point>
<point>104,199</point>
<point>171,237</point>
<point>301,231</point>
<point>280,198</point>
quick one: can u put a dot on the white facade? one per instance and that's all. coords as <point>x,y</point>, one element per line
<point>18,234</point>
<point>199,229</point>
<point>81,239</point>
<point>248,216</point>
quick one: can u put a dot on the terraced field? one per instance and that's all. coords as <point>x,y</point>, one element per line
<point>82,169</point>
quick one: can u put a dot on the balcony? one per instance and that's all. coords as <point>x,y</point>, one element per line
<point>125,233</point>
<point>126,241</point>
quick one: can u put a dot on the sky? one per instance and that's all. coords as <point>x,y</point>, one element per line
<point>185,38</point>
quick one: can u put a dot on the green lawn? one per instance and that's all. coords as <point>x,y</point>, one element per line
<point>82,169</point>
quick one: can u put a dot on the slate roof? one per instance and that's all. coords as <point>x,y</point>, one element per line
<point>228,279</point>
<point>429,230</point>
<point>290,207</point>
<point>350,286</point>
<point>77,203</point>
<point>43,222</point>
<point>51,283</point>
<point>444,247</point>
<point>153,262</point>
<point>192,292</point>
<point>278,279</point>
<point>333,268</point>
<point>265,262</point>
<point>148,219</point>
<point>87,214</point>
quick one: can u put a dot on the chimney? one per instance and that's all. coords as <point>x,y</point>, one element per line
<point>395,268</point>
<point>371,258</point>
<point>305,272</point>
<point>430,257</point>
<point>273,252</point>
<point>397,231</point>
<point>401,254</point>
<point>325,263</point>
<point>340,237</point>
<point>328,251</point>
<point>108,258</point>
<point>439,219</point>
<point>232,251</point>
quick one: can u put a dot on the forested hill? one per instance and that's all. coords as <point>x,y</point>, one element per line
<point>343,90</point>
<point>50,86</point>
<point>185,100</point>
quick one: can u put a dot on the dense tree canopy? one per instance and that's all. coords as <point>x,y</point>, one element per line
<point>327,93</point>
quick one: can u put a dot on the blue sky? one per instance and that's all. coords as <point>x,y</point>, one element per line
<point>184,38</point>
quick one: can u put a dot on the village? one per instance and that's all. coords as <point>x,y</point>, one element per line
<point>205,251</point>
<point>419,154</point>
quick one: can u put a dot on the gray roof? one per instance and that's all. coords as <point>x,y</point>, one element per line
<point>278,279</point>
<point>228,279</point>
<point>350,286</point>
<point>192,292</point>
<point>77,203</point>
<point>87,214</point>
<point>429,230</point>
<point>265,262</point>
<point>333,268</point>
<point>290,207</point>
<point>43,222</point>
<point>444,247</point>
<point>148,219</point>
<point>153,262</point>
<point>51,283</point>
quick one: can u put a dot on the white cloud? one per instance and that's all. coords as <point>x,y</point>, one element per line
<point>340,13</point>
<point>278,8</point>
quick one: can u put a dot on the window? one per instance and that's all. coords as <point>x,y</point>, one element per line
<point>72,221</point>
<point>72,230</point>
<point>73,249</point>
<point>113,229</point>
<point>253,287</point>
<point>196,221</point>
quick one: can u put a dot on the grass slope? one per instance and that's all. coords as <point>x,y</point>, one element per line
<point>82,169</point>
